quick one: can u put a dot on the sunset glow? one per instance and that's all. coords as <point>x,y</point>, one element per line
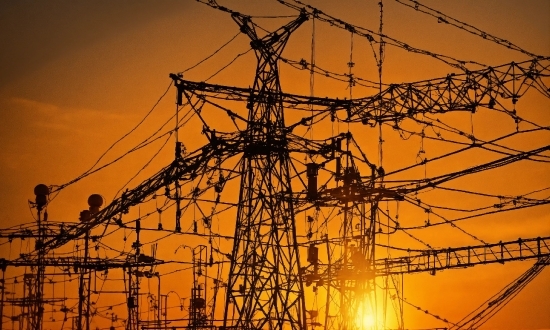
<point>275,165</point>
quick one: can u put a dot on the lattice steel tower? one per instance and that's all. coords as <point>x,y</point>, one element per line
<point>264,286</point>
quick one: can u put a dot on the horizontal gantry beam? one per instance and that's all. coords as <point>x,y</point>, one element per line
<point>462,257</point>
<point>79,263</point>
<point>492,87</point>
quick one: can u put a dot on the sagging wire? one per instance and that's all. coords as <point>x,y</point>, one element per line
<point>367,33</point>
<point>491,306</point>
<point>446,19</point>
<point>211,55</point>
<point>91,169</point>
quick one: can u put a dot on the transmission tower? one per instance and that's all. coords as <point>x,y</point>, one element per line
<point>264,285</point>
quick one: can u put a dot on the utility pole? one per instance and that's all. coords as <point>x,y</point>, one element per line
<point>159,322</point>
<point>132,301</point>
<point>36,283</point>
<point>3,288</point>
<point>197,303</point>
<point>95,201</point>
<point>83,283</point>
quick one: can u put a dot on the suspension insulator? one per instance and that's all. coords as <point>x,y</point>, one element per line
<point>179,94</point>
<point>338,169</point>
<point>313,254</point>
<point>312,170</point>
<point>131,302</point>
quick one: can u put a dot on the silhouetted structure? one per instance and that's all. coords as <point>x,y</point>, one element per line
<point>267,277</point>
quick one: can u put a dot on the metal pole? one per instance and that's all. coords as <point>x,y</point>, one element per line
<point>158,304</point>
<point>89,271</point>
<point>165,311</point>
<point>38,309</point>
<point>2,298</point>
<point>329,284</point>
<point>81,297</point>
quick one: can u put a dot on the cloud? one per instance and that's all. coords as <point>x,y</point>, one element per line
<point>60,118</point>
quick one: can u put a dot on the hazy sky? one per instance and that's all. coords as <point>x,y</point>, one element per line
<point>76,76</point>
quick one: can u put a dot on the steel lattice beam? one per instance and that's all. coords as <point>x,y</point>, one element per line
<point>488,88</point>
<point>462,257</point>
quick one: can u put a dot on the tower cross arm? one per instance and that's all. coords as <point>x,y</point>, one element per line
<point>490,88</point>
<point>181,169</point>
<point>76,263</point>
<point>466,256</point>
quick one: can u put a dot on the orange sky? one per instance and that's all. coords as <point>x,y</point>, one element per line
<point>75,77</point>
